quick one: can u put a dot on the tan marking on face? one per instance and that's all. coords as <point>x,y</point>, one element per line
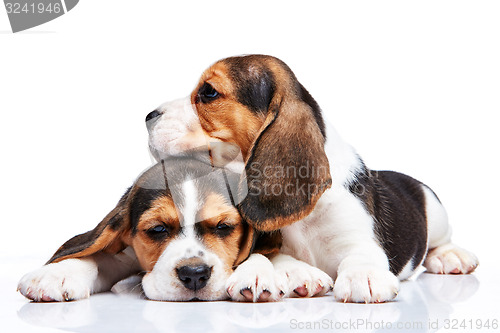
<point>148,250</point>
<point>218,207</point>
<point>226,119</point>
<point>217,210</point>
<point>225,248</point>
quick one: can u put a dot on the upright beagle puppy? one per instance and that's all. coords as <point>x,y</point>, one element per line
<point>179,226</point>
<point>367,229</point>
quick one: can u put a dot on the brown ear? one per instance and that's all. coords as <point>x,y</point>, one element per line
<point>105,237</point>
<point>287,169</point>
<point>265,243</point>
<point>247,244</point>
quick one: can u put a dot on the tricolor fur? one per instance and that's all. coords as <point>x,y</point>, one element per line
<point>366,229</point>
<point>313,210</point>
<point>177,225</point>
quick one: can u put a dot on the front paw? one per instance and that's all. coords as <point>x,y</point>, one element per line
<point>255,280</point>
<point>365,285</point>
<point>304,280</point>
<point>64,281</point>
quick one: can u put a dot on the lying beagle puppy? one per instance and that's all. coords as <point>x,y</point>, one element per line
<point>178,224</point>
<point>367,229</point>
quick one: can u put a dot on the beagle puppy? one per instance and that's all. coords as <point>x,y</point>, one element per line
<point>177,223</point>
<point>367,229</point>
<point>179,227</point>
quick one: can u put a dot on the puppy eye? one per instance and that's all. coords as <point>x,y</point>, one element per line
<point>158,232</point>
<point>159,228</point>
<point>223,229</point>
<point>223,226</point>
<point>207,93</point>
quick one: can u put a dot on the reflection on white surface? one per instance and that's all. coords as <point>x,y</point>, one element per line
<point>425,302</point>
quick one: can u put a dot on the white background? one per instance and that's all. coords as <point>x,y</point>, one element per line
<point>413,86</point>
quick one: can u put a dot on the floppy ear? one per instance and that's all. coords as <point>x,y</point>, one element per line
<point>287,169</point>
<point>105,237</point>
<point>265,243</point>
<point>247,244</point>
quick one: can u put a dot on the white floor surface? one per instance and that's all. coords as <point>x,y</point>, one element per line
<point>425,304</point>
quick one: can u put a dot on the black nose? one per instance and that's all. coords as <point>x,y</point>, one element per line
<point>152,115</point>
<point>194,277</point>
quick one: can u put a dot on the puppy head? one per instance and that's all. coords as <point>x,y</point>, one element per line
<point>180,220</point>
<point>257,104</point>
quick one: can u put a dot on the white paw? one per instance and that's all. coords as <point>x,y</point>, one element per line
<point>364,284</point>
<point>255,280</point>
<point>67,280</point>
<point>304,280</point>
<point>450,259</point>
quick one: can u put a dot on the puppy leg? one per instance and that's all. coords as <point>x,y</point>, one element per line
<point>303,279</point>
<point>364,277</point>
<point>356,257</point>
<point>255,280</point>
<point>444,257</point>
<point>74,279</point>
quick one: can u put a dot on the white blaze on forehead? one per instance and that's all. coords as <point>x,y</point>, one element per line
<point>189,206</point>
<point>186,244</point>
